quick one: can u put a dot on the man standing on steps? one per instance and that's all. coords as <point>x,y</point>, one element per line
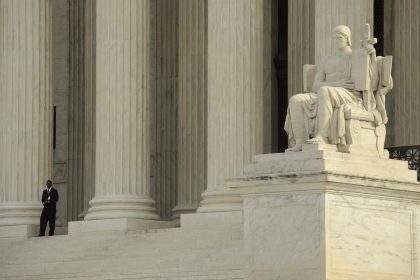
<point>49,200</point>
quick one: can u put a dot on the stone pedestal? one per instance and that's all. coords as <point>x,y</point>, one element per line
<point>320,214</point>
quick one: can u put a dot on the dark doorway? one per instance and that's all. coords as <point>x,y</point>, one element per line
<point>281,72</point>
<point>378,25</point>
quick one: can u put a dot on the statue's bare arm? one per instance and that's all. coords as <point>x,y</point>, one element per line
<point>319,79</point>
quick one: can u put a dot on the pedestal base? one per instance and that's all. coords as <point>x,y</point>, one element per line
<point>308,216</point>
<point>220,200</point>
<point>325,235</point>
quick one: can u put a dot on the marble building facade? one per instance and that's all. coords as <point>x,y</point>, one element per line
<point>152,103</point>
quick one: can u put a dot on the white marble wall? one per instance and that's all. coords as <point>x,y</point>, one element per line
<point>329,215</point>
<point>192,104</point>
<point>25,108</point>
<point>285,237</point>
<point>331,235</point>
<point>371,237</point>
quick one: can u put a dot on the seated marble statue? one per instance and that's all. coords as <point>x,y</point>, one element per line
<point>318,116</point>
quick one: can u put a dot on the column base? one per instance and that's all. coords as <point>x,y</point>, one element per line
<point>183,209</point>
<point>82,215</point>
<point>120,207</point>
<point>20,213</point>
<point>220,200</point>
<point>116,225</point>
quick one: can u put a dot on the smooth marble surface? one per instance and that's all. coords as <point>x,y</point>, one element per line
<point>337,227</point>
<point>284,235</point>
<point>370,237</point>
<point>316,158</point>
<point>115,225</point>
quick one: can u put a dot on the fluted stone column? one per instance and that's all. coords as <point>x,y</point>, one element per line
<point>163,119</point>
<point>192,113</point>
<point>122,111</point>
<point>82,108</point>
<point>76,110</point>
<point>310,25</point>
<point>25,108</point>
<point>89,106</point>
<point>271,88</point>
<point>406,73</point>
<point>235,96</point>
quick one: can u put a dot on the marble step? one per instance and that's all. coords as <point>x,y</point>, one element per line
<point>206,253</point>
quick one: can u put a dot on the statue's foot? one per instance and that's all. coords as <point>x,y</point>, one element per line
<point>296,148</point>
<point>317,140</point>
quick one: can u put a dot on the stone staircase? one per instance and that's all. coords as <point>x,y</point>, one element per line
<point>213,252</point>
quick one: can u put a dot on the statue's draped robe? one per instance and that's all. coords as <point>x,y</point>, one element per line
<point>331,105</point>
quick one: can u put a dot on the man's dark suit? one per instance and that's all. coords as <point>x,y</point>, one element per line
<point>48,213</point>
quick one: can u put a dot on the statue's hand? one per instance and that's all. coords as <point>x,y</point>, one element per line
<point>347,84</point>
<point>369,48</point>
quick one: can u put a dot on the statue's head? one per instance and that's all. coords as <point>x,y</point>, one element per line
<point>342,36</point>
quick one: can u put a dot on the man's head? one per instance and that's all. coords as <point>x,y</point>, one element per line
<point>49,184</point>
<point>342,37</point>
